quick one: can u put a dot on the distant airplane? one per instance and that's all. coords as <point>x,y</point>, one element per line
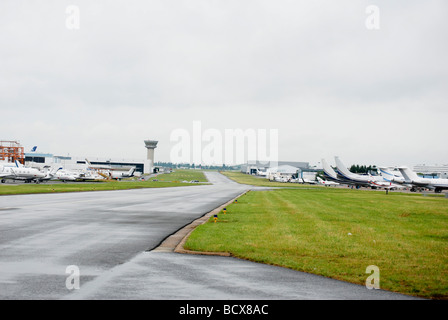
<point>411,177</point>
<point>354,177</point>
<point>280,179</point>
<point>364,180</point>
<point>49,175</point>
<point>98,166</point>
<point>109,173</point>
<point>66,175</point>
<point>331,175</point>
<point>120,175</point>
<point>327,183</point>
<point>305,180</point>
<point>391,175</point>
<point>20,172</point>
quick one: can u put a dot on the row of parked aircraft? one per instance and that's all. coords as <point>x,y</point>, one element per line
<point>389,178</point>
<point>17,171</point>
<point>305,180</point>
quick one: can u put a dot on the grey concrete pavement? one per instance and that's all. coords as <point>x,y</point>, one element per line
<point>164,276</point>
<point>107,234</point>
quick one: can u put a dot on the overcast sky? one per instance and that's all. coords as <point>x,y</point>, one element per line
<point>137,70</point>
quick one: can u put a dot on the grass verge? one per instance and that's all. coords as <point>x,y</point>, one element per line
<point>338,233</point>
<point>181,175</point>
<point>31,188</point>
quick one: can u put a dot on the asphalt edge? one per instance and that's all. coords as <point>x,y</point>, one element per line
<point>176,241</point>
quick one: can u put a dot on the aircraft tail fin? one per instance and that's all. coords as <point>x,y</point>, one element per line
<point>54,170</point>
<point>34,149</point>
<point>342,168</point>
<point>408,174</point>
<point>328,170</point>
<point>386,173</point>
<point>131,172</point>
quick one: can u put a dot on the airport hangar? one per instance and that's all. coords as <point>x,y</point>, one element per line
<point>281,168</point>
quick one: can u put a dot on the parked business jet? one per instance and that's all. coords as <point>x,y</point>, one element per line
<point>346,174</point>
<point>365,180</point>
<point>20,172</point>
<point>332,175</point>
<point>66,175</point>
<point>411,177</point>
<point>118,175</point>
<point>91,175</point>
<point>391,175</point>
<point>49,174</point>
<point>329,171</point>
<point>98,166</point>
<point>109,173</point>
<point>327,183</point>
<point>306,180</point>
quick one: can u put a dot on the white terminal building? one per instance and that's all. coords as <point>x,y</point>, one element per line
<point>75,163</point>
<point>441,170</point>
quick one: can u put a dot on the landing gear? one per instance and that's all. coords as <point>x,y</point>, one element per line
<point>438,190</point>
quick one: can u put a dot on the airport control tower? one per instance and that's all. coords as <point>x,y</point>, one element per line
<point>149,163</point>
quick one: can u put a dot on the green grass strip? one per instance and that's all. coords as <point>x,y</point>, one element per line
<point>10,189</point>
<point>337,233</point>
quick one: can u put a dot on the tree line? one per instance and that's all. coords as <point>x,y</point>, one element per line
<point>194,166</point>
<point>356,168</point>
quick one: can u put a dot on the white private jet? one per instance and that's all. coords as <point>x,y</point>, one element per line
<point>410,177</point>
<point>20,172</point>
<point>49,174</point>
<point>90,174</point>
<point>118,175</point>
<point>66,175</point>
<point>327,183</point>
<point>392,175</point>
<point>98,166</point>
<point>278,178</point>
<point>305,180</point>
<point>108,173</point>
<point>365,180</point>
<point>331,175</point>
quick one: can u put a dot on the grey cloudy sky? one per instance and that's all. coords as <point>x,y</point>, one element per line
<point>138,70</point>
